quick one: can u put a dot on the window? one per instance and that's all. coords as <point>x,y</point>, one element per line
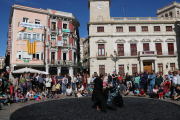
<point>38,37</point>
<point>19,55</point>
<point>43,37</point>
<point>53,57</point>
<point>25,35</point>
<point>120,49</point>
<point>42,56</point>
<point>172,66</point>
<point>156,28</point>
<point>132,29</point>
<point>121,69</point>
<point>170,14</point>
<point>168,28</point>
<point>20,36</point>
<point>26,55</point>
<point>64,26</point>
<point>170,48</point>
<point>53,27</point>
<point>65,40</point>
<point>34,36</point>
<point>35,56</point>
<point>101,50</point>
<point>29,36</point>
<point>159,48</point>
<point>134,68</point>
<point>145,46</point>
<point>102,69</point>
<point>37,21</point>
<point>160,67</point>
<point>100,29</point>
<point>26,20</point>
<point>166,15</point>
<point>133,49</point>
<point>144,28</point>
<point>119,29</point>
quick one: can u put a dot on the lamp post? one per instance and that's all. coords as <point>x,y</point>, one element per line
<point>115,58</point>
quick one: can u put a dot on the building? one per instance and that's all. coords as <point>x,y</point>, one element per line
<point>62,45</point>
<point>81,49</point>
<point>140,42</point>
<point>2,62</point>
<point>56,37</point>
<point>85,58</point>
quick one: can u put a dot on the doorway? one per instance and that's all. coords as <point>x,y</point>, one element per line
<point>147,66</point>
<point>64,58</point>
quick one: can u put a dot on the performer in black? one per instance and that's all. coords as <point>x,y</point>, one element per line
<point>98,96</point>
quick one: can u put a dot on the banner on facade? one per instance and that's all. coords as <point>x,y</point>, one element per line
<point>60,43</point>
<point>9,39</point>
<point>31,46</point>
<point>26,60</point>
<point>31,25</point>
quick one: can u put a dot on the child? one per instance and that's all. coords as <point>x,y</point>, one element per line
<point>136,92</point>
<point>161,93</point>
<point>38,97</point>
<point>142,93</point>
<point>92,88</point>
<point>84,92</point>
<point>69,91</point>
<point>22,98</point>
<point>177,95</point>
<point>50,94</point>
<point>30,95</point>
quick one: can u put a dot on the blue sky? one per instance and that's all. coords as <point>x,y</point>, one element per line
<point>135,8</point>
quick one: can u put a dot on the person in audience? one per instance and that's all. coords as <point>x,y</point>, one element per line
<point>170,75</point>
<point>129,90</point>
<point>23,84</point>
<point>136,92</point>
<point>158,79</point>
<point>41,80</point>
<point>29,81</point>
<point>50,94</point>
<point>48,82</point>
<point>177,95</point>
<point>161,93</point>
<point>55,82</point>
<point>69,91</point>
<point>128,79</point>
<point>19,96</point>
<point>73,82</point>
<point>109,79</point>
<point>105,80</point>
<point>30,95</point>
<point>144,79</point>
<point>84,92</point>
<point>64,82</point>
<point>142,92</point>
<point>91,90</point>
<point>88,82</point>
<point>137,80</point>
<point>114,77</point>
<point>174,83</point>
<point>60,78</point>
<point>124,79</point>
<point>151,81</point>
<point>38,97</point>
<point>69,79</point>
<point>155,92</point>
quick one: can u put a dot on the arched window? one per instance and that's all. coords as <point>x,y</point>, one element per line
<point>170,14</point>
<point>166,15</point>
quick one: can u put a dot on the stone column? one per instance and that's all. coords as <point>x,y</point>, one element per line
<point>47,68</point>
<point>71,71</point>
<point>155,66</point>
<point>141,62</point>
<point>58,70</point>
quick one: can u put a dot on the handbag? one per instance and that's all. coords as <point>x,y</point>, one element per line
<point>23,85</point>
<point>58,86</point>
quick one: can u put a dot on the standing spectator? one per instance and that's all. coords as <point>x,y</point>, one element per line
<point>77,80</point>
<point>93,78</point>
<point>114,77</point>
<point>119,80</point>
<point>109,79</point>
<point>158,79</point>
<point>59,78</point>
<point>105,80</point>
<point>29,82</point>
<point>137,81</point>
<point>151,81</point>
<point>144,81</point>
<point>48,82</point>
<point>88,82</point>
<point>124,79</point>
<point>95,74</point>
<point>40,80</point>
<point>35,80</point>
<point>128,79</point>
<point>170,75</point>
<point>84,81</point>
<point>64,82</point>
<point>73,82</point>
<point>55,82</point>
<point>14,81</point>
<point>1,81</point>
<point>69,80</point>
<point>174,82</point>
<point>23,84</point>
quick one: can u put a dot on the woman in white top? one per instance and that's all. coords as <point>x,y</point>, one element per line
<point>48,82</point>
<point>73,81</point>
<point>155,91</point>
<point>174,82</point>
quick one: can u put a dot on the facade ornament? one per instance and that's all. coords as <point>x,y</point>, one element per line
<point>99,18</point>
<point>101,41</point>
<point>170,40</point>
<point>53,49</point>
<point>120,41</point>
<point>133,41</point>
<point>158,40</point>
<point>145,40</point>
<point>65,50</point>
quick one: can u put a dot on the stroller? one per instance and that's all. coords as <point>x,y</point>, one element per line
<point>167,89</point>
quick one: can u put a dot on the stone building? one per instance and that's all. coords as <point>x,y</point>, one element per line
<point>140,42</point>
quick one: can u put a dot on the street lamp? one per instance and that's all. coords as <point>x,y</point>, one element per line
<point>114,58</point>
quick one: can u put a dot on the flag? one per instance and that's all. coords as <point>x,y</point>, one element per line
<point>23,29</point>
<point>30,28</point>
<point>31,46</point>
<point>26,60</point>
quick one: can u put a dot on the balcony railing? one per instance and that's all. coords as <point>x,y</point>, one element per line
<point>141,18</point>
<point>62,62</point>
<point>101,56</point>
<point>54,29</point>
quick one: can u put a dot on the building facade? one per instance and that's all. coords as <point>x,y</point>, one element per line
<point>140,42</point>
<point>2,62</point>
<point>57,40</point>
<point>62,44</point>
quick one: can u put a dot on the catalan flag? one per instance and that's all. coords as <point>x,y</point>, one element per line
<point>31,46</point>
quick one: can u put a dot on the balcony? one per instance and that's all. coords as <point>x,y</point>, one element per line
<point>66,30</point>
<point>101,57</point>
<point>62,63</point>
<point>54,29</point>
<point>167,53</point>
<point>147,53</point>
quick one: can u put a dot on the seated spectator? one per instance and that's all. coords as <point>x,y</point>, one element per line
<point>44,93</point>
<point>79,90</point>
<point>155,92</point>
<point>22,97</point>
<point>8,96</point>
<point>38,97</point>
<point>91,89</point>
<point>161,93</point>
<point>177,95</point>
<point>50,94</point>
<point>136,92</point>
<point>69,91</point>
<point>84,92</point>
<point>2,99</point>
<point>122,89</point>
<point>129,90</point>
<point>19,96</point>
<point>142,93</point>
<point>30,95</point>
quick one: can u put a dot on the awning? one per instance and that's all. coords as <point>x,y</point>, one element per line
<point>29,70</point>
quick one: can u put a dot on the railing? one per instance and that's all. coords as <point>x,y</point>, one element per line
<point>104,55</point>
<point>141,18</point>
<point>62,62</point>
<point>54,29</point>
<point>168,53</point>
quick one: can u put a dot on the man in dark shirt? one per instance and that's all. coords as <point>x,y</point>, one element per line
<point>109,78</point>
<point>40,80</point>
<point>69,80</point>
<point>144,80</point>
<point>114,77</point>
<point>29,81</point>
<point>59,78</point>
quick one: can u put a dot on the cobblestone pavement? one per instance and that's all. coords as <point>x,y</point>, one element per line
<point>9,109</point>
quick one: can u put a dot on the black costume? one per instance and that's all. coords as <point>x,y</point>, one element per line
<point>98,96</point>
